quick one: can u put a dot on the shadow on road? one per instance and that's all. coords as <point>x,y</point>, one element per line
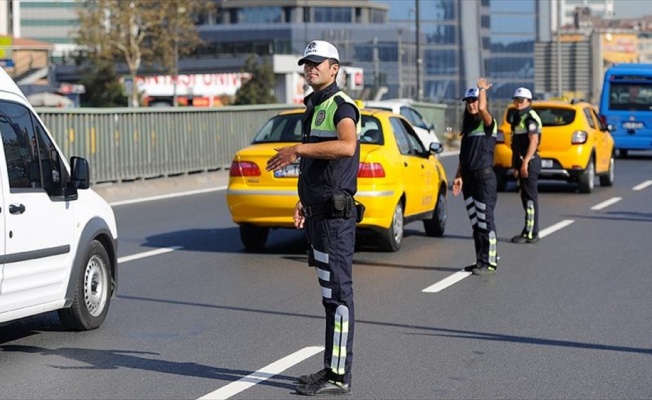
<point>143,360</point>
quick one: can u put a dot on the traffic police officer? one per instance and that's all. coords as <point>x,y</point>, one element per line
<point>526,135</point>
<point>329,158</point>
<point>475,176</point>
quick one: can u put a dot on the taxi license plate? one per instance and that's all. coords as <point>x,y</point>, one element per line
<point>546,163</point>
<point>289,171</point>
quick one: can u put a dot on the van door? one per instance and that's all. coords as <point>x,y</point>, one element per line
<point>2,225</point>
<point>38,221</point>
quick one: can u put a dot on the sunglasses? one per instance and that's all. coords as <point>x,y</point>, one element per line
<point>518,100</point>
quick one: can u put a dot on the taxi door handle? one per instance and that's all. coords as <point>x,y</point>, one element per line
<point>16,209</point>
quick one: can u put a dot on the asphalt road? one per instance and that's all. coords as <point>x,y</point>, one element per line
<point>568,317</point>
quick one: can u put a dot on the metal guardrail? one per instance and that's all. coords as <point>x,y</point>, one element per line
<point>125,144</point>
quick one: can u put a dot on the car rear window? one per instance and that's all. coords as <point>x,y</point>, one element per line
<point>550,116</point>
<point>289,128</point>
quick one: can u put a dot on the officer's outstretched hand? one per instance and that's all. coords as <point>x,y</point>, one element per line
<point>284,157</point>
<point>457,186</point>
<point>298,217</point>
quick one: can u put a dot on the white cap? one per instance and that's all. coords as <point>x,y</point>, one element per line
<point>522,93</point>
<point>319,51</point>
<point>472,93</point>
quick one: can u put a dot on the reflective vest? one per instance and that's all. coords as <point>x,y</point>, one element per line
<point>323,124</point>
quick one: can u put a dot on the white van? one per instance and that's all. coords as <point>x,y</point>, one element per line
<point>59,238</point>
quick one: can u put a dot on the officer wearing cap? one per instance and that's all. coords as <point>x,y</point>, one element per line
<point>475,176</point>
<point>329,158</point>
<point>526,135</point>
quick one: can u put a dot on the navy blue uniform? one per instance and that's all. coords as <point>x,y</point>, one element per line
<point>331,238</point>
<point>480,188</point>
<point>524,123</point>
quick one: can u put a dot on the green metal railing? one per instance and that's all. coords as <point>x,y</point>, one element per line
<point>124,144</point>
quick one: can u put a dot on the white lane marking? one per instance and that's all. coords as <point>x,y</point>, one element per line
<point>459,275</point>
<point>642,186</point>
<point>166,196</point>
<point>446,282</point>
<point>555,227</point>
<point>262,374</point>
<point>606,203</point>
<point>147,254</point>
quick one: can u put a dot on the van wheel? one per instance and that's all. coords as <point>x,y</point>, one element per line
<point>608,178</point>
<point>92,293</point>
<point>436,225</point>
<point>253,237</point>
<point>392,238</point>
<point>587,179</point>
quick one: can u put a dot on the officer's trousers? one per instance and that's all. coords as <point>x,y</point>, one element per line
<point>480,197</point>
<point>332,242</point>
<point>528,188</point>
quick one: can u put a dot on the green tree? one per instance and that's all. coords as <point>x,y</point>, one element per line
<point>103,87</point>
<point>140,32</point>
<point>259,89</point>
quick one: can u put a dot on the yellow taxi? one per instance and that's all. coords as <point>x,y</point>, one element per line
<point>399,181</point>
<point>575,145</point>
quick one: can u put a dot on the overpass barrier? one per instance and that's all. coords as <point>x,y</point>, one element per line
<point>126,144</point>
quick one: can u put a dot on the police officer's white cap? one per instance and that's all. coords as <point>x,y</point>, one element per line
<point>318,51</point>
<point>522,93</point>
<point>471,93</point>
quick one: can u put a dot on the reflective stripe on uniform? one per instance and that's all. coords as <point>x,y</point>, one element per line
<point>320,256</point>
<point>493,251</point>
<point>323,274</point>
<point>340,336</point>
<point>529,219</point>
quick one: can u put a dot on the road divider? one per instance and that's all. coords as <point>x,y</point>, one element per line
<point>262,374</point>
<point>642,186</point>
<point>459,275</point>
<point>606,203</point>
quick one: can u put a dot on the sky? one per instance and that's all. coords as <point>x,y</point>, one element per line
<point>632,8</point>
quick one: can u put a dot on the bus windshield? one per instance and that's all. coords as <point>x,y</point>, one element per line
<point>630,96</point>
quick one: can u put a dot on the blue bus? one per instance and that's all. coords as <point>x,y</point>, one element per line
<point>626,106</point>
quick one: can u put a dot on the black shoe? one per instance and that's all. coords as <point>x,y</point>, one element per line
<point>470,268</point>
<point>484,270</point>
<point>534,239</point>
<point>306,379</point>
<point>323,387</point>
<point>524,239</point>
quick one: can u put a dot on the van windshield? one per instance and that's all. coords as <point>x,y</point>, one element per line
<point>630,96</point>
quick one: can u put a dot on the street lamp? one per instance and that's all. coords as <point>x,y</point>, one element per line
<point>180,12</point>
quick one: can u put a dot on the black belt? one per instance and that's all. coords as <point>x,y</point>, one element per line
<point>478,173</point>
<point>317,209</point>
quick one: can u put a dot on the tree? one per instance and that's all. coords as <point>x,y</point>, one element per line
<point>259,89</point>
<point>103,87</point>
<point>140,32</point>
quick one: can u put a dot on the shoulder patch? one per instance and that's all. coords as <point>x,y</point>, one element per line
<point>532,127</point>
<point>319,119</point>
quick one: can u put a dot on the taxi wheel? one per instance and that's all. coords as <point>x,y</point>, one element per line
<point>436,225</point>
<point>587,179</point>
<point>608,178</point>
<point>392,238</point>
<point>253,237</point>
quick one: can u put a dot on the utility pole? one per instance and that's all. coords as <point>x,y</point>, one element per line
<point>419,60</point>
<point>559,72</point>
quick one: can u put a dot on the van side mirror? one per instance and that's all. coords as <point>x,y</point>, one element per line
<point>611,128</point>
<point>80,176</point>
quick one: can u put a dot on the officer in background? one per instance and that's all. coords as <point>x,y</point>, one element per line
<point>475,176</point>
<point>330,155</point>
<point>526,135</point>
